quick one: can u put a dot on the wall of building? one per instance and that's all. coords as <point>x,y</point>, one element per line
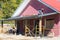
<point>33,8</point>
<point>56,27</point>
<point>59,24</point>
<point>20,27</point>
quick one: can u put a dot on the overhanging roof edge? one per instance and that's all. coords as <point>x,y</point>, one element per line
<point>48,6</point>
<point>31,17</point>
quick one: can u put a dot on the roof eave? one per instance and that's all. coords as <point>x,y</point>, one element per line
<point>30,17</point>
<point>49,6</point>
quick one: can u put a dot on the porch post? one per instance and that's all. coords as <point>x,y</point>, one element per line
<point>26,28</point>
<point>45,23</point>
<point>44,27</point>
<point>40,26</point>
<point>15,23</point>
<point>2,26</point>
<point>16,26</point>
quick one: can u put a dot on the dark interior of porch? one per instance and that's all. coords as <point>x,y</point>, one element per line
<point>31,27</point>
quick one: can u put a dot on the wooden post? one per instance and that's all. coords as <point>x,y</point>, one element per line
<point>2,26</point>
<point>26,29</point>
<point>45,22</point>
<point>40,26</point>
<point>16,26</point>
<point>44,27</point>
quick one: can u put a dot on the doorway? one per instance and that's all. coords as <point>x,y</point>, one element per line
<point>49,25</point>
<point>20,27</point>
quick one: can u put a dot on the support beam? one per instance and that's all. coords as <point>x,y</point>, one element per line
<point>40,26</point>
<point>44,27</point>
<point>2,26</point>
<point>45,22</point>
<point>26,28</point>
<point>15,23</point>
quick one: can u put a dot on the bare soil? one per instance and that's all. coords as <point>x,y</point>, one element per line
<point>20,37</point>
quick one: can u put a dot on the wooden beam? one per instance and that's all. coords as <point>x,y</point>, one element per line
<point>44,27</point>
<point>45,22</point>
<point>2,24</point>
<point>26,28</point>
<point>40,26</point>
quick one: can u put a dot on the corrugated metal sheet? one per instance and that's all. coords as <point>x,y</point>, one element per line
<point>53,3</point>
<point>33,8</point>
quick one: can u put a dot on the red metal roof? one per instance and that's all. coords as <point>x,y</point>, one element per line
<point>54,3</point>
<point>33,9</point>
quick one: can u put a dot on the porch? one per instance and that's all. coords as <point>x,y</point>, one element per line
<point>37,25</point>
<point>42,26</point>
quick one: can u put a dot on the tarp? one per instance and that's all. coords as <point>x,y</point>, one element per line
<point>53,3</point>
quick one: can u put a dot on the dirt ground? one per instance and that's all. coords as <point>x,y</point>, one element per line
<point>20,37</point>
<point>14,37</point>
<point>5,36</point>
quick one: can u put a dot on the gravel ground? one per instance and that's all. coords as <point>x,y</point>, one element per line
<point>20,37</point>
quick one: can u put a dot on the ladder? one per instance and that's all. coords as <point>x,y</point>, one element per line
<point>28,32</point>
<point>37,30</point>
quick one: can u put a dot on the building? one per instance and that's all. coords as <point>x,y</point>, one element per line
<point>38,17</point>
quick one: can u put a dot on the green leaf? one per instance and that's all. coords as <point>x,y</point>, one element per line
<point>8,7</point>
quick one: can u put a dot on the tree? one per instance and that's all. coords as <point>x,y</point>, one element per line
<point>1,15</point>
<point>7,7</point>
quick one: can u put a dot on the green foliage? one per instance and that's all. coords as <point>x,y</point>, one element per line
<point>1,15</point>
<point>7,7</point>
